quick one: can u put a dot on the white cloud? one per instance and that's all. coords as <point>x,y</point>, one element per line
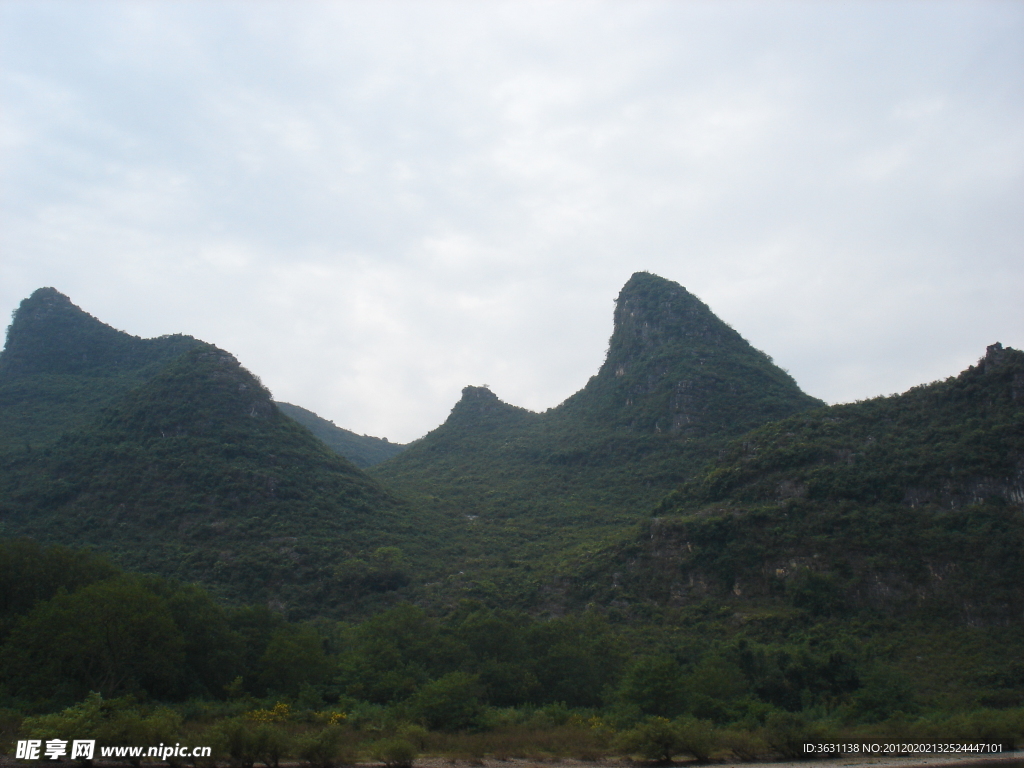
<point>374,204</point>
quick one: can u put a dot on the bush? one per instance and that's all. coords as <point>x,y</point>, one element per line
<point>745,746</point>
<point>884,693</point>
<point>450,703</point>
<point>272,743</point>
<point>323,749</point>
<point>787,732</point>
<point>654,685</point>
<point>246,742</point>
<point>988,726</point>
<point>394,753</point>
<point>697,737</point>
<point>236,738</point>
<point>656,739</point>
<point>417,735</point>
<point>111,722</point>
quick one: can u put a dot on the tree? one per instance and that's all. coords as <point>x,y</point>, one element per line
<point>113,636</point>
<point>294,657</point>
<point>654,684</point>
<point>450,703</point>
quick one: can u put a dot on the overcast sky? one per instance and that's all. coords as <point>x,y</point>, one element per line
<point>373,204</point>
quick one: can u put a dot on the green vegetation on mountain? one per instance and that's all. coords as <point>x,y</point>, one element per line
<point>897,509</point>
<point>677,383</point>
<point>61,365</point>
<point>674,367</point>
<point>362,450</point>
<point>197,475</point>
<point>951,443</point>
<point>689,556</point>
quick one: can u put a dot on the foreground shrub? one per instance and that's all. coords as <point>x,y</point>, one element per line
<point>394,753</point>
<point>787,732</point>
<point>450,703</point>
<point>111,722</point>
<point>324,748</point>
<point>236,738</point>
<point>697,738</point>
<point>987,726</point>
<point>661,739</point>
<point>745,746</point>
<point>416,735</point>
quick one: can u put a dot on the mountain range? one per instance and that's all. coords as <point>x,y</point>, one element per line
<point>689,468</point>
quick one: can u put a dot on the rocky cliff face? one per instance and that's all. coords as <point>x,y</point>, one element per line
<point>791,558</point>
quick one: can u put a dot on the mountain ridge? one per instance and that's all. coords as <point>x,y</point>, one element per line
<point>639,550</point>
<point>60,366</point>
<point>601,459</point>
<point>362,450</point>
<point>50,334</point>
<point>906,505</point>
<point>196,474</point>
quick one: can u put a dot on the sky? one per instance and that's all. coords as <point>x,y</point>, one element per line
<point>375,204</point>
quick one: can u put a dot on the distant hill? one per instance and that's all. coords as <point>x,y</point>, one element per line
<point>60,365</point>
<point>675,368</point>
<point>688,534</point>
<point>362,450</point>
<point>907,505</point>
<point>172,457</point>
<point>196,474</point>
<point>676,384</point>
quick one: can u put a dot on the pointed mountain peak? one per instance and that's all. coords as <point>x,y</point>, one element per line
<point>478,412</point>
<point>51,335</point>
<point>479,398</point>
<point>47,297</point>
<point>674,367</point>
<point>651,311</point>
<point>48,307</point>
<point>478,405</point>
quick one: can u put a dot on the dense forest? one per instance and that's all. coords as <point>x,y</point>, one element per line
<point>689,557</point>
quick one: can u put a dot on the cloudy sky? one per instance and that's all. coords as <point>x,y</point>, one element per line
<point>373,204</point>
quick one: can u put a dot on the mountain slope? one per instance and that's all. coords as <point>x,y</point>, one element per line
<point>362,450</point>
<point>951,443</point>
<point>197,475</point>
<point>676,384</point>
<point>905,505</point>
<point>60,365</point>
